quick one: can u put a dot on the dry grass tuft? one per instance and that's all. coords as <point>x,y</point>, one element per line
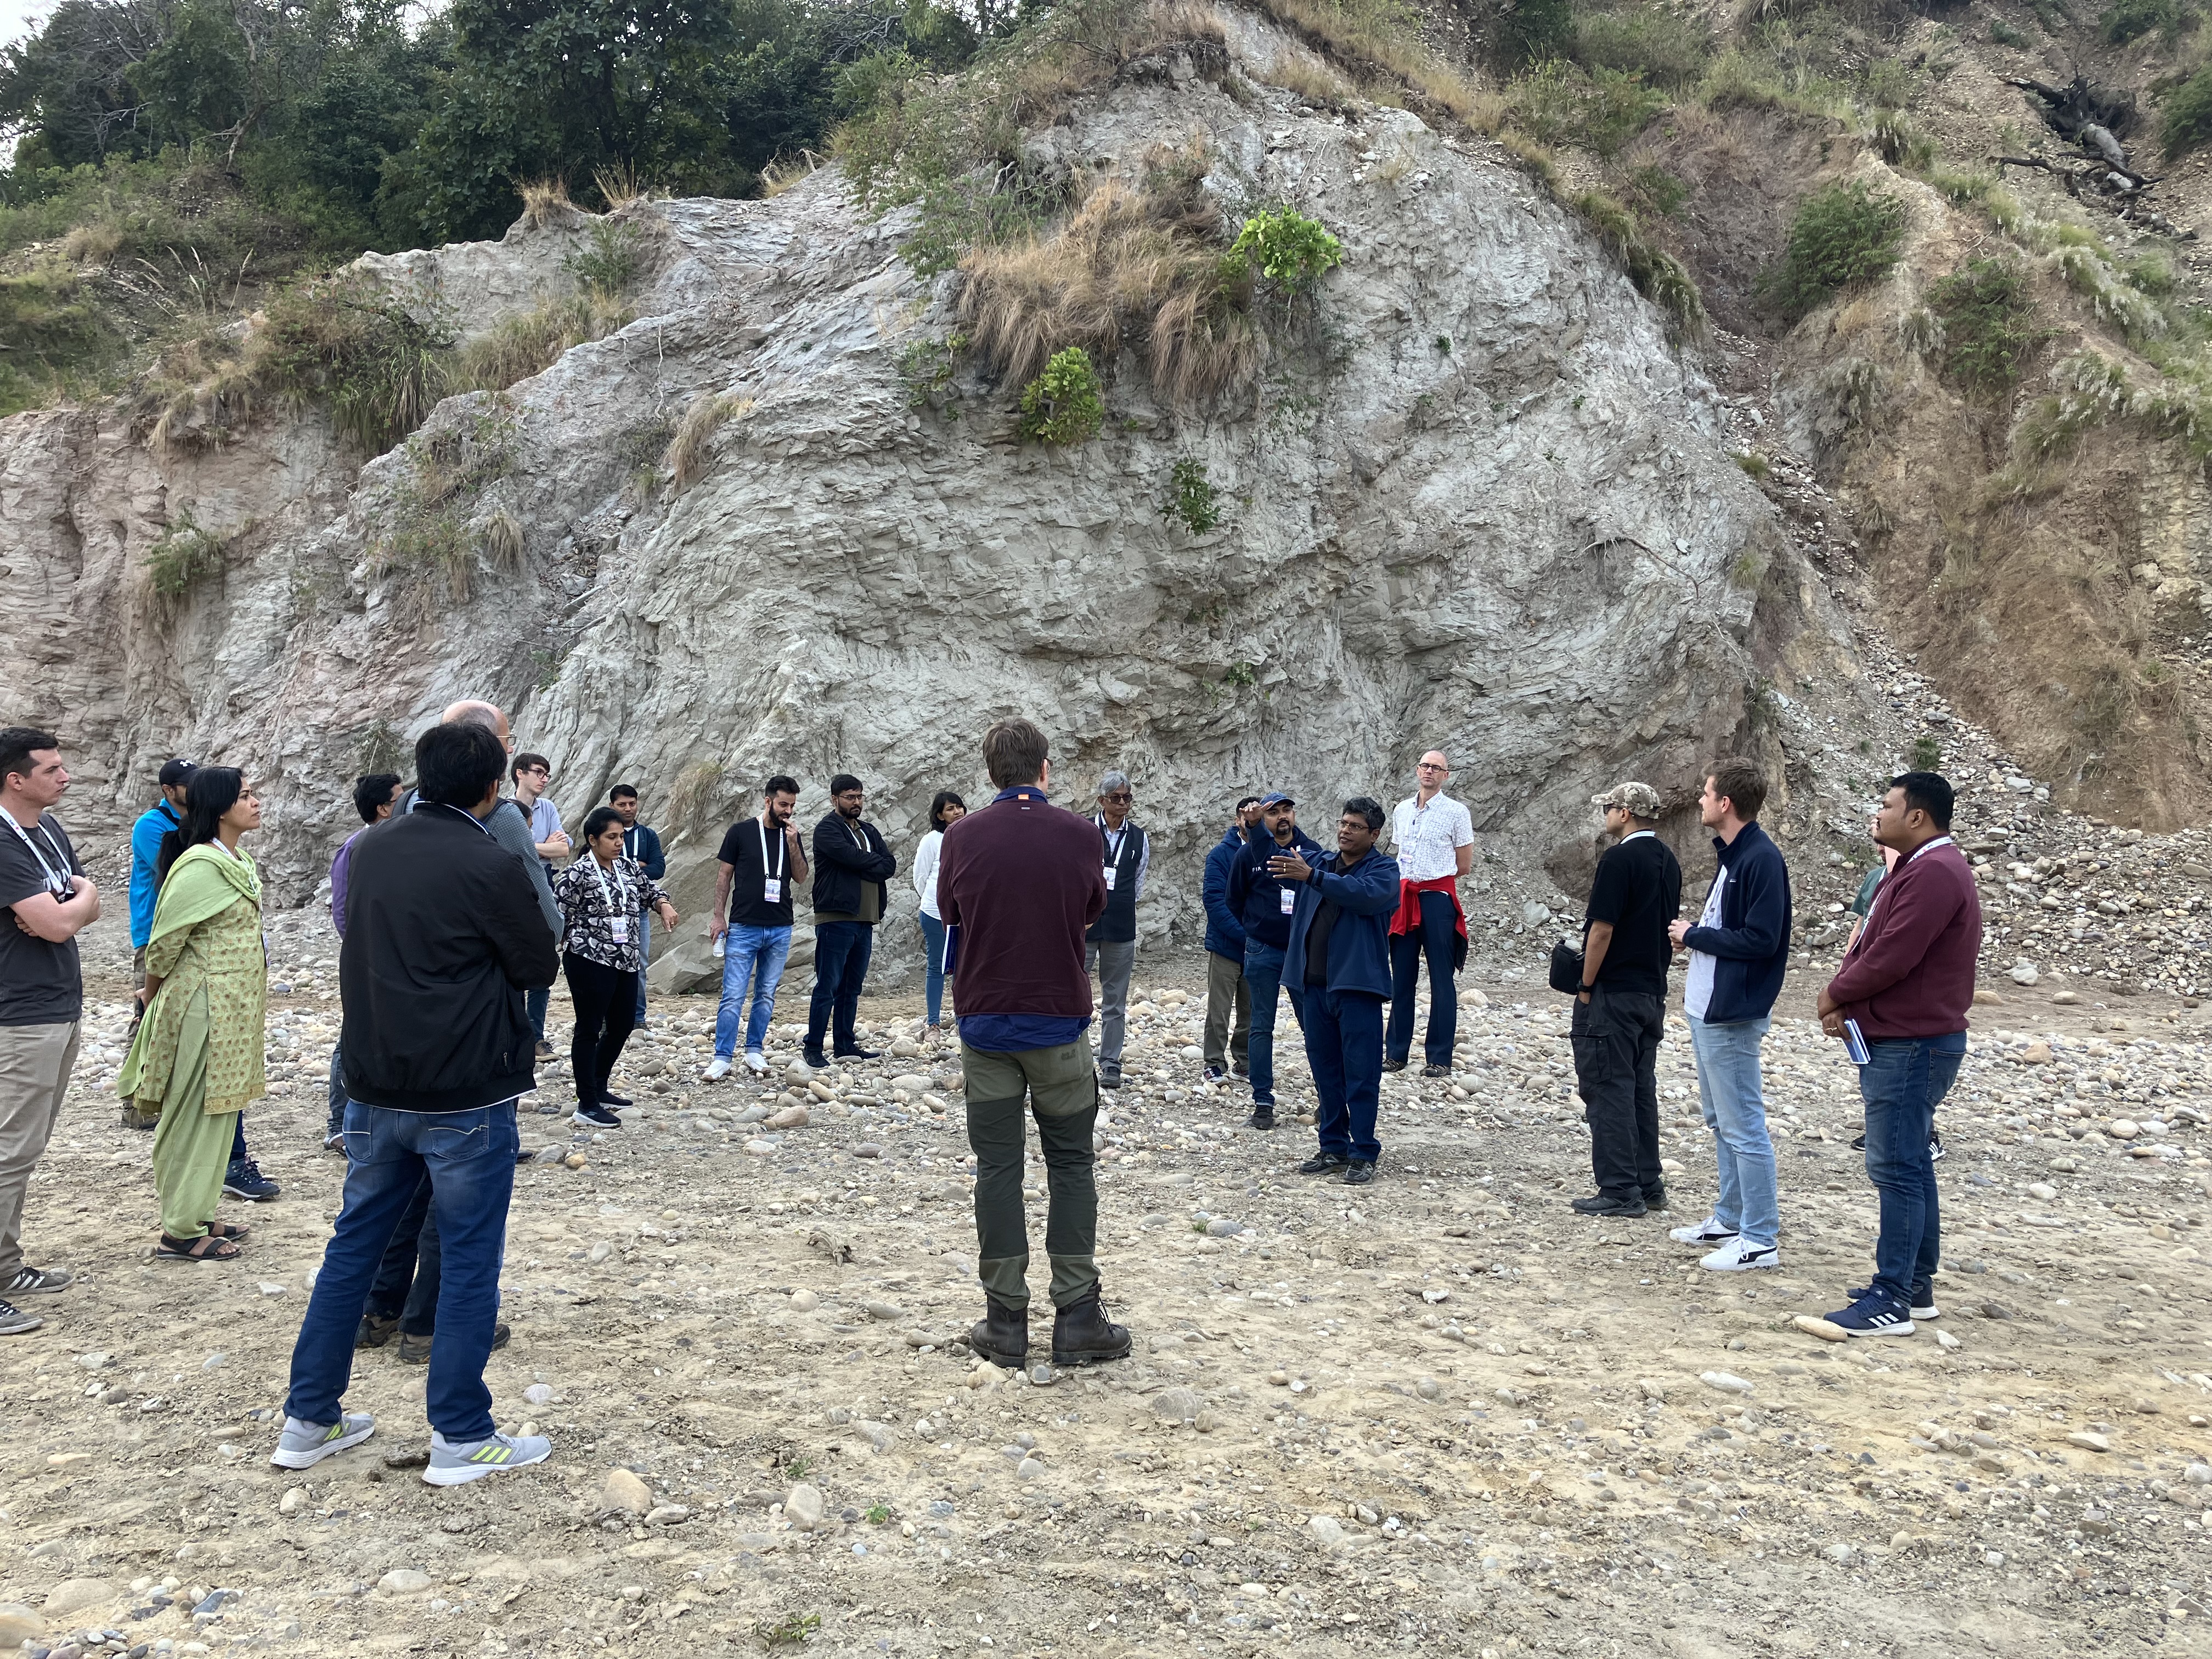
<point>503,542</point>
<point>94,244</point>
<point>1306,75</point>
<point>620,185</point>
<point>545,204</point>
<point>785,170</point>
<point>520,347</point>
<point>686,459</point>
<point>1135,267</point>
<point>1377,32</point>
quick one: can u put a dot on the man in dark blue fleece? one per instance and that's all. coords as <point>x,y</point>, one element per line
<point>1225,991</point>
<point>1264,906</point>
<point>1339,955</point>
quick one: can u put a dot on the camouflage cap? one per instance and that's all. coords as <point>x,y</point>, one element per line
<point>1641,799</point>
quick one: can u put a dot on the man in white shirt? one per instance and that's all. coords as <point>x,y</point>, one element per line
<point>1433,839</point>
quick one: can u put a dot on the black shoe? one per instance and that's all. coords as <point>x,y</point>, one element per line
<point>1109,1077</point>
<point>1323,1164</point>
<point>813,1059</point>
<point>1599,1204</point>
<point>375,1331</point>
<point>415,1350</point>
<point>1213,1074</point>
<point>1858,1143</point>
<point>856,1054</point>
<point>1436,1071</point>
<point>595,1117</point>
<point>1002,1334</point>
<point>544,1049</point>
<point>1934,1147</point>
<point>1655,1198</point>
<point>1390,1064</point>
<point>1360,1172</point>
<point>243,1180</point>
<point>1083,1335</point>
<point>1263,1117</point>
<point>14,1322</point>
<point>609,1098</point>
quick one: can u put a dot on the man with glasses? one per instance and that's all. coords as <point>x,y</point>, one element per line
<point>1432,838</point>
<point>1110,946</point>
<point>852,871</point>
<point>532,772</point>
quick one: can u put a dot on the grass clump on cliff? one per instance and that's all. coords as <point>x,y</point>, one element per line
<point>1842,236</point>
<point>1658,276</point>
<point>1990,326</point>
<point>2185,114</point>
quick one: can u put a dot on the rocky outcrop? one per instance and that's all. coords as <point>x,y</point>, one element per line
<point>1476,501</point>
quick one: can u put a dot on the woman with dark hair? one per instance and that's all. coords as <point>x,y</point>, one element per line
<point>601,895</point>
<point>944,811</point>
<point>196,1059</point>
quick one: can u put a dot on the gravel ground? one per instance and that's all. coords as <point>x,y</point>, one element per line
<point>1442,1412</point>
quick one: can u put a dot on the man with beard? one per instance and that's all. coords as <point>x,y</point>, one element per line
<point>852,870</point>
<point>760,861</point>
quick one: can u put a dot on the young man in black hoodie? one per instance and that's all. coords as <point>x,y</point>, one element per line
<point>1264,905</point>
<point>851,868</point>
<point>444,938</point>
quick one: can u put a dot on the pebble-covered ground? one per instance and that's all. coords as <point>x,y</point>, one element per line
<point>1441,1413</point>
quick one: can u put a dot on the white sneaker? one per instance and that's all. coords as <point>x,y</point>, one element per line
<point>717,1068</point>
<point>756,1061</point>
<point>1708,1232</point>
<point>1735,1256</point>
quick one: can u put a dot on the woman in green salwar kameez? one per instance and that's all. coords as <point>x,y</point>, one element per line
<point>197,1058</point>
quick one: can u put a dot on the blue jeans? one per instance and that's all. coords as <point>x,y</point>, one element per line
<point>469,1158</point>
<point>932,954</point>
<point>743,949</point>
<point>644,958</point>
<point>1263,972</point>
<point>533,1005</point>
<point>1902,1083</point>
<point>842,950</point>
<point>1437,940</point>
<point>1344,1047</point>
<point>1735,1111</point>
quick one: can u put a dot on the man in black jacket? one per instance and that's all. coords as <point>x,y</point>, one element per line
<point>443,938</point>
<point>1264,905</point>
<point>851,867</point>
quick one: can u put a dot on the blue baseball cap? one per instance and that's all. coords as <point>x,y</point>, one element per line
<point>1278,799</point>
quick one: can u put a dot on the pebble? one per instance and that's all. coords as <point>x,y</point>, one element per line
<point>404,1581</point>
<point>599,1252</point>
<point>627,1492</point>
<point>1726,1382</point>
<point>1945,1339</point>
<point>75,1594</point>
<point>868,1149</point>
<point>804,1301</point>
<point>1327,1530</point>
<point>791,1117</point>
<point>1812,1325</point>
<point>19,1624</point>
<point>92,1362</point>
<point>270,1287</point>
<point>293,1500</point>
<point>538,1394</point>
<point>803,1506</point>
<point>1222,1227</point>
<point>2121,1128</point>
<point>2088,1442</point>
<point>1178,1406</point>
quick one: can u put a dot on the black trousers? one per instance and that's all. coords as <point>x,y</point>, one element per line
<point>407,1278</point>
<point>605,999</point>
<point>1616,1042</point>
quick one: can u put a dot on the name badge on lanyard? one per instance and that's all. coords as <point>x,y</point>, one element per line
<point>617,915</point>
<point>1289,899</point>
<point>771,886</point>
<point>1110,873</point>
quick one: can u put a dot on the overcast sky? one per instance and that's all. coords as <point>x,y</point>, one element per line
<point>17,17</point>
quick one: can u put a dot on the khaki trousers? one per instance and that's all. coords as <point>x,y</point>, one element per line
<point>35,1061</point>
<point>1225,988</point>
<point>1060,1088</point>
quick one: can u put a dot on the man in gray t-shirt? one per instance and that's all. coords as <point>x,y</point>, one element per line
<point>48,900</point>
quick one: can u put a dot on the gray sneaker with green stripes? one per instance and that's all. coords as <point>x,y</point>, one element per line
<point>456,1463</point>
<point>303,1445</point>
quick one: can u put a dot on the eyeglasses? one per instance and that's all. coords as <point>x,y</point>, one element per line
<point>1427,766</point>
<point>538,771</point>
<point>1123,795</point>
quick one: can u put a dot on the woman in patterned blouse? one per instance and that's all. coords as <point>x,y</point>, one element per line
<point>602,897</point>
<point>197,1060</point>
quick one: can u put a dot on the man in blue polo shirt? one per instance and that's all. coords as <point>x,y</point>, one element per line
<point>156,822</point>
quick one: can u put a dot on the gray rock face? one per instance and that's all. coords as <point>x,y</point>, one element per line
<point>1526,548</point>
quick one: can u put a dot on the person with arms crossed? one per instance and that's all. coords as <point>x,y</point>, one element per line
<point>444,938</point>
<point>50,900</point>
<point>1620,1013</point>
<point>1125,854</point>
<point>1905,989</point>
<point>642,846</point>
<point>1738,951</point>
<point>944,811</point>
<point>1432,839</point>
<point>760,863</point>
<point>1019,884</point>
<point>1340,949</point>
<point>532,773</point>
<point>1225,1050</point>
<point>1264,907</point>
<point>852,872</point>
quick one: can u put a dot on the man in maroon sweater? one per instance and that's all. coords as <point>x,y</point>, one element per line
<point>1906,984</point>
<point>1018,883</point>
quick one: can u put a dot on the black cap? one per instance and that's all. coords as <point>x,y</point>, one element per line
<point>176,772</point>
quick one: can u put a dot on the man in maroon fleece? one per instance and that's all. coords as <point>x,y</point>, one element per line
<point>1906,985</point>
<point>1018,883</point>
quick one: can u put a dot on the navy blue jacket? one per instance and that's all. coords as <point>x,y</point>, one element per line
<point>1359,945</point>
<point>1752,944</point>
<point>1224,933</point>
<point>1252,890</point>
<point>643,845</point>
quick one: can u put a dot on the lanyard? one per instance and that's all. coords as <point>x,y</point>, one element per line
<point>1866,929</point>
<point>57,883</point>
<point>608,898</point>
<point>1113,838</point>
<point>776,874</point>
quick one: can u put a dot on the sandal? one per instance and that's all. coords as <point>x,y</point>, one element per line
<point>226,1230</point>
<point>207,1247</point>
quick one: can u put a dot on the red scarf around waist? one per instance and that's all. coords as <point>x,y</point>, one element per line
<point>1408,916</point>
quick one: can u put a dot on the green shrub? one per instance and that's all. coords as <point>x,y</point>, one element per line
<point>1191,500</point>
<point>2150,273</point>
<point>2131,19</point>
<point>1990,327</point>
<point>1890,82</point>
<point>1555,103</point>
<point>1659,190</point>
<point>380,367</point>
<point>2185,113</point>
<point>1841,236</point>
<point>608,262</point>
<point>1291,252</point>
<point>58,340</point>
<point>2003,34</point>
<point>185,554</point>
<point>1656,274</point>
<point>1665,49</point>
<point>1927,753</point>
<point>1535,31</point>
<point>1063,405</point>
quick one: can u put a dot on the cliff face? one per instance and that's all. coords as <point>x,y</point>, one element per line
<point>1475,502</point>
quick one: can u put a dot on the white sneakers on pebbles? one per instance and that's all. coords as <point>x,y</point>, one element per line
<point>1736,1257</point>
<point>756,1061</point>
<point>1708,1232</point>
<point>717,1068</point>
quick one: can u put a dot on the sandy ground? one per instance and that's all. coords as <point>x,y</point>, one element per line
<point>1441,1413</point>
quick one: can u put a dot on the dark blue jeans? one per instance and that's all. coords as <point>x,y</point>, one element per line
<point>1344,1047</point>
<point>469,1158</point>
<point>932,961</point>
<point>1902,1083</point>
<point>1437,940</point>
<point>1263,972</point>
<point>337,1123</point>
<point>406,1287</point>
<point>533,1004</point>
<point>842,950</point>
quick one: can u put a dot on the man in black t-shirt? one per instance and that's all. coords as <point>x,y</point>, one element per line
<point>760,861</point>
<point>1620,1012</point>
